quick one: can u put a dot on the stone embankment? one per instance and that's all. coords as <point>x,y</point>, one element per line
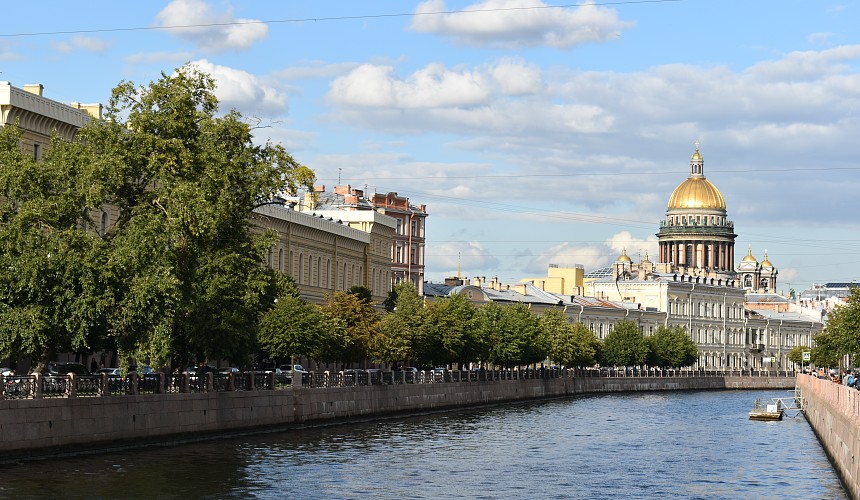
<point>35,427</point>
<point>833,411</point>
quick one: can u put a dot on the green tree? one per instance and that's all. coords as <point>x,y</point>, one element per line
<point>362,292</point>
<point>294,328</point>
<point>400,327</point>
<point>447,335</point>
<point>356,326</point>
<point>828,349</point>
<point>180,274</point>
<point>796,354</point>
<point>195,178</point>
<point>513,334</point>
<point>50,290</point>
<point>624,345</point>
<point>840,336</point>
<point>571,344</point>
<point>671,347</point>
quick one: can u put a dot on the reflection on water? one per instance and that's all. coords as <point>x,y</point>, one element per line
<point>650,445</point>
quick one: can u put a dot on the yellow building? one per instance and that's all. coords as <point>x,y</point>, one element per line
<point>563,280</point>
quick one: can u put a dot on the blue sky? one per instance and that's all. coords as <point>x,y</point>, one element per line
<point>535,133</point>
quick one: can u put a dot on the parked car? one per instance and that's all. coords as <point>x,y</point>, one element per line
<point>112,372</point>
<point>58,369</point>
<point>230,369</point>
<point>293,368</point>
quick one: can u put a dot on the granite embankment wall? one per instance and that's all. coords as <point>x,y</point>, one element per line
<point>833,411</point>
<point>34,427</point>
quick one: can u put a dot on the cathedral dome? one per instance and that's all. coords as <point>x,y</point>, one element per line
<point>749,257</point>
<point>766,261</point>
<point>624,257</point>
<point>697,191</point>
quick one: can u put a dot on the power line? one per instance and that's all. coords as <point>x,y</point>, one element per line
<point>598,174</point>
<point>330,18</point>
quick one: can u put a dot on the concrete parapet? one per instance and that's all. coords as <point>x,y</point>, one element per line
<point>41,426</point>
<point>833,412</point>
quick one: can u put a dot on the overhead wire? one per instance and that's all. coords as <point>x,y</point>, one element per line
<point>329,18</point>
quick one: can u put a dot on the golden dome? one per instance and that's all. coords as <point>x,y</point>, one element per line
<point>766,262</point>
<point>623,257</point>
<point>697,192</point>
<point>749,257</point>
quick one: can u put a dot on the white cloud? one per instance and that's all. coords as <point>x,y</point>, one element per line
<point>636,248</point>
<point>520,23</point>
<point>568,255</point>
<point>431,86</point>
<point>470,257</point>
<point>247,93</point>
<point>316,71</point>
<point>84,43</point>
<point>177,58</point>
<point>806,65</point>
<point>212,31</point>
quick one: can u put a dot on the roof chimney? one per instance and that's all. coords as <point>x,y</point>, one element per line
<point>34,88</point>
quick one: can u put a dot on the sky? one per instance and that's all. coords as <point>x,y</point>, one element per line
<point>535,133</point>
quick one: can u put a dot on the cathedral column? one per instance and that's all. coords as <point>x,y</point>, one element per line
<point>700,255</point>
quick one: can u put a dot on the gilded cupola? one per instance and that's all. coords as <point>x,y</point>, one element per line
<point>697,191</point>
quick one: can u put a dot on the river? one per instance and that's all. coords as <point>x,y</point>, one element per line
<point>633,445</point>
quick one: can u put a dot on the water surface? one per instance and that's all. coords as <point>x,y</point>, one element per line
<point>636,445</point>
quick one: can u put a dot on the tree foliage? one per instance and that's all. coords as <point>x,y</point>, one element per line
<point>624,345</point>
<point>357,325</point>
<point>400,327</point>
<point>180,273</point>
<point>570,344</point>
<point>294,329</point>
<point>840,337</point>
<point>796,354</point>
<point>447,335</point>
<point>671,347</point>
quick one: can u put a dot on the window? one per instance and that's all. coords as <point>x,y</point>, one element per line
<point>300,277</point>
<point>104,222</point>
<point>280,259</point>
<point>36,151</point>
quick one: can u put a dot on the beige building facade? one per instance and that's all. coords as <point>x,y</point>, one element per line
<point>324,254</point>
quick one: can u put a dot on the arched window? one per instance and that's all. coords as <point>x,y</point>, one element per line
<point>319,271</point>
<point>280,259</point>
<point>104,222</point>
<point>301,276</point>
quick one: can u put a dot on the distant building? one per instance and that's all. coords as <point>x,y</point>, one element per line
<point>38,117</point>
<point>696,237</point>
<point>324,255</point>
<point>694,285</point>
<point>408,245</point>
<point>564,280</point>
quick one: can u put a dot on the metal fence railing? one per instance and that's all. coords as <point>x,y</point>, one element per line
<point>71,385</point>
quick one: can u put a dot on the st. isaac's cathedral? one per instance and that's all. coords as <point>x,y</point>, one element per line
<point>696,237</point>
<point>731,312</point>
